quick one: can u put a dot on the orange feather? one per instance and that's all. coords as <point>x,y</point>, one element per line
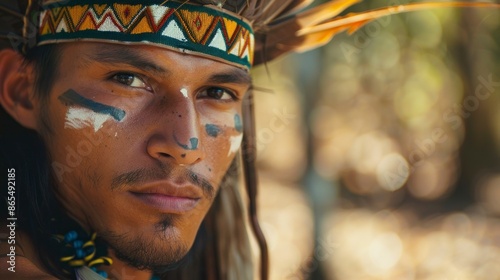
<point>354,20</point>
<point>315,27</point>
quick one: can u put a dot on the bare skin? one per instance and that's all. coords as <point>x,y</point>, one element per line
<point>146,173</point>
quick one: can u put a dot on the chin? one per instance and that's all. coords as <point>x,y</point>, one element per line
<point>162,248</point>
<point>148,253</point>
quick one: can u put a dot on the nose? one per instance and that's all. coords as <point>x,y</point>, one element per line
<point>178,137</point>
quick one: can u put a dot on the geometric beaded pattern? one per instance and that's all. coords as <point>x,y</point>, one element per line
<point>204,30</point>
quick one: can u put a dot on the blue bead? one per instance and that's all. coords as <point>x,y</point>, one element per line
<point>70,236</point>
<point>80,254</point>
<point>77,244</point>
<point>103,274</point>
<point>94,268</point>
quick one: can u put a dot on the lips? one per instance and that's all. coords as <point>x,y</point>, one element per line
<point>169,198</point>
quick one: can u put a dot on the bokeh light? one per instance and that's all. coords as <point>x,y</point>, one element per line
<point>386,172</point>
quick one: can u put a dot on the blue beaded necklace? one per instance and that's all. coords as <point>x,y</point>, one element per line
<point>80,253</point>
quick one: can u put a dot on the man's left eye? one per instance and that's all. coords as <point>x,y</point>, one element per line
<point>217,93</point>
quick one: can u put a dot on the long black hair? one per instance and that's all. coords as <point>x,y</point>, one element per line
<point>23,150</point>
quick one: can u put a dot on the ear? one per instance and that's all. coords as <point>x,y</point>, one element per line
<point>16,88</point>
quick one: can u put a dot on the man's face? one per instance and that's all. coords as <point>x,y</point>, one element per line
<point>140,139</point>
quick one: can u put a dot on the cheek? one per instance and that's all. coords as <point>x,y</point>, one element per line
<point>226,135</point>
<point>79,143</point>
<point>81,127</point>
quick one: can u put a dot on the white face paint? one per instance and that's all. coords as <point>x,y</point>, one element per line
<point>235,144</point>
<point>184,92</point>
<point>78,118</point>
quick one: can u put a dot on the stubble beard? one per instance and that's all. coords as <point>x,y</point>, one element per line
<point>158,254</point>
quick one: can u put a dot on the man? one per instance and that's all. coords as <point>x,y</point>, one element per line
<point>139,141</point>
<point>121,126</point>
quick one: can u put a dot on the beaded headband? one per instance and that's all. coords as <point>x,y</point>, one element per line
<point>207,31</point>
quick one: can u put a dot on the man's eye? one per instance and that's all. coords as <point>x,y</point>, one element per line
<point>217,93</point>
<point>130,80</point>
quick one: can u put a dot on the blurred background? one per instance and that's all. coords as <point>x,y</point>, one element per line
<point>379,154</point>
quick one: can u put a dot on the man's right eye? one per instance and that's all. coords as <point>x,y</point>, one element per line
<point>131,80</point>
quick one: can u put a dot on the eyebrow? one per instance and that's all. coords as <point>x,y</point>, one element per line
<point>235,76</point>
<point>125,55</point>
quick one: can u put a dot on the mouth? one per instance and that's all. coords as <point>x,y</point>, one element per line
<point>168,198</point>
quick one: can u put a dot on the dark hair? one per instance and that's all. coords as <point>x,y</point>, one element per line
<point>45,60</point>
<point>24,150</point>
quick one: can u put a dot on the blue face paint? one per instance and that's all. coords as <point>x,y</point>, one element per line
<point>237,123</point>
<point>193,141</point>
<point>212,130</point>
<point>73,97</point>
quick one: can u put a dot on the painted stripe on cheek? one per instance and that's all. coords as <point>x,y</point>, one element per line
<point>237,123</point>
<point>235,144</point>
<point>72,96</point>
<point>78,118</point>
<point>212,130</point>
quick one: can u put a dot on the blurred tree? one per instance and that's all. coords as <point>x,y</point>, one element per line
<point>478,54</point>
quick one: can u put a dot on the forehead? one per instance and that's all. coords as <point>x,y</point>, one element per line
<point>159,60</point>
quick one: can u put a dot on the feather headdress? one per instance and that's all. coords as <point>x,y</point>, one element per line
<point>285,26</point>
<point>279,27</point>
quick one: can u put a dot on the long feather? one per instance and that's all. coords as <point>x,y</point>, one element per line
<point>283,37</point>
<point>296,6</point>
<point>324,12</point>
<point>262,12</point>
<point>316,27</point>
<point>272,11</point>
<point>366,17</point>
